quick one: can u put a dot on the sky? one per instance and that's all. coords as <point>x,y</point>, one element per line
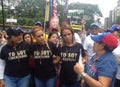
<point>104,5</point>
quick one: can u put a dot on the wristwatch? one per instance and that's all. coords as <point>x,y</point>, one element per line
<point>83,75</point>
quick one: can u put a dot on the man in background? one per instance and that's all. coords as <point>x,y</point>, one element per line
<point>88,43</point>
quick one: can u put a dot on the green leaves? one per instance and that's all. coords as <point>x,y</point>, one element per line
<point>29,11</point>
<point>89,11</point>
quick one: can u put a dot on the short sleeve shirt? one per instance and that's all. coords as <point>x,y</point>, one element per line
<point>69,57</point>
<point>105,65</point>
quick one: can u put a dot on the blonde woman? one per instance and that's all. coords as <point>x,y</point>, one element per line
<point>45,73</point>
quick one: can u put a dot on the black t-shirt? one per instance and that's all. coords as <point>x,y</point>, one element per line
<point>16,59</point>
<point>44,67</point>
<point>69,57</point>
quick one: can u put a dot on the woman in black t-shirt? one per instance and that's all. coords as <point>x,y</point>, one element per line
<point>44,71</point>
<point>16,55</point>
<point>69,53</point>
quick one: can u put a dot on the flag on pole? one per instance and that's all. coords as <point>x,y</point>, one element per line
<point>51,8</point>
<point>54,8</point>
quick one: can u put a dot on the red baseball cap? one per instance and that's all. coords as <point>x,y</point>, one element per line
<point>108,39</point>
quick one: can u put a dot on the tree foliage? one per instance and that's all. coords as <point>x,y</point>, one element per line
<point>89,11</point>
<point>60,9</point>
<point>29,11</point>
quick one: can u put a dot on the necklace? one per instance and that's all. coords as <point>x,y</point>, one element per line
<point>40,52</point>
<point>68,49</point>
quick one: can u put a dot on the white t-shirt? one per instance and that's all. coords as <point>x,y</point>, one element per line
<point>2,62</point>
<point>88,45</point>
<point>116,52</point>
<point>77,38</point>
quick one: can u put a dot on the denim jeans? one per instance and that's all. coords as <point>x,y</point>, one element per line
<point>16,82</point>
<point>45,83</point>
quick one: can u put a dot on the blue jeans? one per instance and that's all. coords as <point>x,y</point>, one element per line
<point>75,84</point>
<point>45,83</point>
<point>16,82</point>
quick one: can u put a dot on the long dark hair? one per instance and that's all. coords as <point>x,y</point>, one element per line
<point>28,34</point>
<point>51,33</point>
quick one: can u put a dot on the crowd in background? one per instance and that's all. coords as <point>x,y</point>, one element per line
<point>63,58</point>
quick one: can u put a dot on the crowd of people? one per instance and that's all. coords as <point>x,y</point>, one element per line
<point>33,59</point>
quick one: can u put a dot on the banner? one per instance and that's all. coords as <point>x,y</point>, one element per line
<point>47,11</point>
<point>76,27</point>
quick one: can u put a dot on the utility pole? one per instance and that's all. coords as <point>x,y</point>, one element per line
<point>3,14</point>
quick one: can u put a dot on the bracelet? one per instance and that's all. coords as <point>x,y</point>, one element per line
<point>83,75</point>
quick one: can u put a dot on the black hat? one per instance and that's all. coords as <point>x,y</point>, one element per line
<point>13,32</point>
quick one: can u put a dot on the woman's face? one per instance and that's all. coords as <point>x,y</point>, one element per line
<point>67,36</point>
<point>39,36</point>
<point>54,23</point>
<point>54,38</point>
<point>4,33</point>
<point>98,47</point>
<point>27,38</point>
<point>16,39</point>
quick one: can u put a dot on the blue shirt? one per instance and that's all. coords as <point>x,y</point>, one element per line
<point>105,65</point>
